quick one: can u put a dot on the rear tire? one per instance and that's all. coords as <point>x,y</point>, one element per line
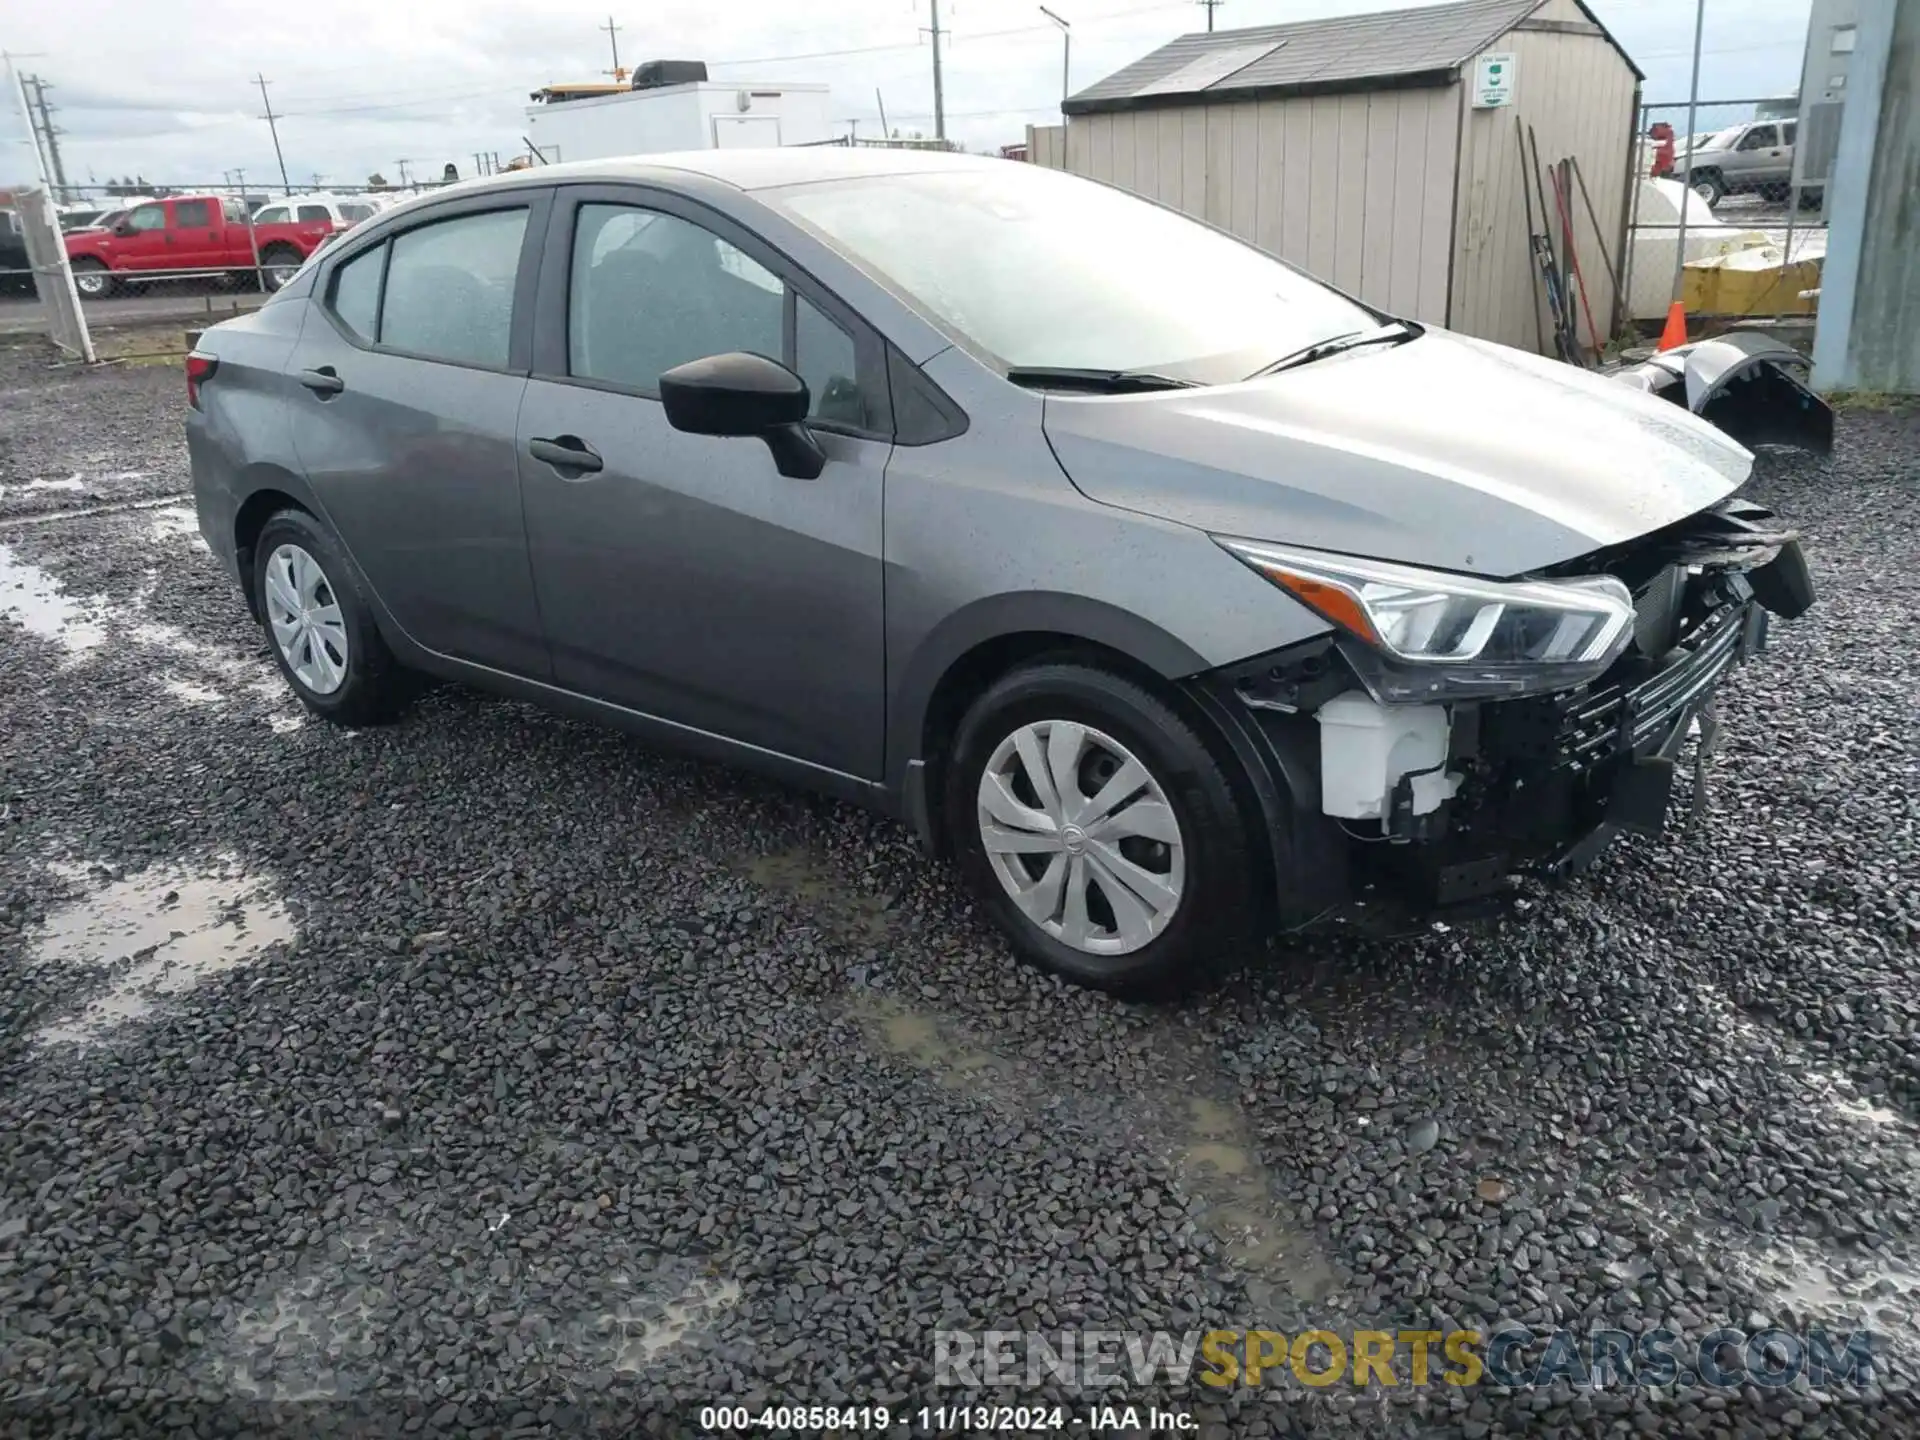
<point>320,626</point>
<point>1146,895</point>
<point>92,279</point>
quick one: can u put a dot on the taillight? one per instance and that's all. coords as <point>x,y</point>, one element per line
<point>200,369</point>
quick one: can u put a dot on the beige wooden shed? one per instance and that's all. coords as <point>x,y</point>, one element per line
<point>1363,148</point>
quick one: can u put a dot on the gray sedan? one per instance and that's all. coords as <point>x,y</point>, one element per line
<point>1175,597</point>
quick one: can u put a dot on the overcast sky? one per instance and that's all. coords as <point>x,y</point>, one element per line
<point>168,94</point>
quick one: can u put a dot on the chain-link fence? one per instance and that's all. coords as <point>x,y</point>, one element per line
<point>1733,198</point>
<point>178,239</point>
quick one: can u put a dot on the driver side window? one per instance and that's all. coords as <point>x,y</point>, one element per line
<point>650,291</point>
<point>147,217</point>
<point>1759,138</point>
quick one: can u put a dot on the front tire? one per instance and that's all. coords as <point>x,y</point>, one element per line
<point>1100,832</point>
<point>320,627</point>
<point>1708,186</point>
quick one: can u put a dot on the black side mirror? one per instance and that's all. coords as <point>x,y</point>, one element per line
<point>738,394</point>
<point>123,227</point>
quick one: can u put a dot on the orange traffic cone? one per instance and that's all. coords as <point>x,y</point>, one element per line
<point>1676,332</point>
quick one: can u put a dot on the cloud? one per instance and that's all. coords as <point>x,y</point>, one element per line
<point>362,83</point>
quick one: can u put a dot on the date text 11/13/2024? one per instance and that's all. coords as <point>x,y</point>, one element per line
<point>947,1419</point>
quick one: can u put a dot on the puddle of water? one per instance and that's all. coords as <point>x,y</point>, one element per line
<point>1218,1165</point>
<point>72,482</point>
<point>646,1332</point>
<point>175,521</point>
<point>917,1039</point>
<point>177,927</point>
<point>34,600</point>
<point>315,1337</point>
<point>854,916</point>
<point>189,693</point>
<point>1823,1285</point>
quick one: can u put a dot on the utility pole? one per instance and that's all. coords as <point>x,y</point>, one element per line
<point>42,114</point>
<point>274,128</point>
<point>1211,5</point>
<point>613,39</point>
<point>881,101</point>
<point>405,182</point>
<point>939,93</point>
<point>1693,108</point>
<point>1066,54</point>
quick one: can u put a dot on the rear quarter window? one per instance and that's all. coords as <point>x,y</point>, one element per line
<point>356,293</point>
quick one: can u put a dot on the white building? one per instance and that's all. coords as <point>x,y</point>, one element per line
<point>694,115</point>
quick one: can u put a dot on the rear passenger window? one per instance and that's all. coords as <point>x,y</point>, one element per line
<point>312,212</point>
<point>356,293</point>
<point>449,290</point>
<point>188,213</point>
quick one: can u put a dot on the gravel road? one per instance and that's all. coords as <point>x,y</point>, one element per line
<point>494,1072</point>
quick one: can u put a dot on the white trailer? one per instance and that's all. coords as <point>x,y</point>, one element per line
<point>699,115</point>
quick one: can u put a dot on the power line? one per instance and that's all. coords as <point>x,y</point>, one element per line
<point>274,128</point>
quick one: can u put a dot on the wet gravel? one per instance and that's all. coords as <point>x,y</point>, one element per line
<point>511,1077</point>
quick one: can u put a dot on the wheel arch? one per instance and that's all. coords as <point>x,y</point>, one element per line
<point>267,490</point>
<point>978,644</point>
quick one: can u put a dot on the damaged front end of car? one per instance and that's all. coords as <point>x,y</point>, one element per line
<point>1546,716</point>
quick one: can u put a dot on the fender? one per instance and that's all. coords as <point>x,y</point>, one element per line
<point>1000,617</point>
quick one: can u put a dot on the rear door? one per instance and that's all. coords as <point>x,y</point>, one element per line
<point>411,373</point>
<point>196,235</point>
<point>685,576</point>
<point>313,223</point>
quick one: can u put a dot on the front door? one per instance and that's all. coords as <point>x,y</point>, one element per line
<point>684,576</point>
<point>146,243</point>
<point>406,388</point>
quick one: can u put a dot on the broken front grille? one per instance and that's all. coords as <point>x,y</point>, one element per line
<point>1635,704</point>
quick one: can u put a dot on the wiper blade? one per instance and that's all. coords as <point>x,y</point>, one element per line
<point>1392,333</point>
<point>1112,382</point>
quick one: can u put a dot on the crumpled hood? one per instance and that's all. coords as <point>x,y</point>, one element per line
<point>1442,451</point>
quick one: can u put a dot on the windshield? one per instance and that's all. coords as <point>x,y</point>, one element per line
<point>1032,267</point>
<point>1722,140</point>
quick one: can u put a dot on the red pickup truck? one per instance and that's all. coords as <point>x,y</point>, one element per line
<point>204,233</point>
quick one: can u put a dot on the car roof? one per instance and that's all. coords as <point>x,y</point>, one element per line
<point>744,169</point>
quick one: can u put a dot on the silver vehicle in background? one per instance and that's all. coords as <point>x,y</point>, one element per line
<point>1175,597</point>
<point>1755,158</point>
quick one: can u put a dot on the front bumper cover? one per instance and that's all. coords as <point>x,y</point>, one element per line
<point>1550,780</point>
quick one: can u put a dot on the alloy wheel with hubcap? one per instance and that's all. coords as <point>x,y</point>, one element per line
<point>305,616</point>
<point>1081,835</point>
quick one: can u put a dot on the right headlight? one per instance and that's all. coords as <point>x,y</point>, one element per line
<point>1425,635</point>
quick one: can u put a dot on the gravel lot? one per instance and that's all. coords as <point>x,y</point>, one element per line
<point>494,1071</point>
